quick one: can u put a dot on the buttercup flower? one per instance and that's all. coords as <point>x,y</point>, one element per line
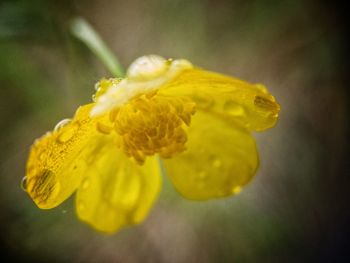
<point>197,122</point>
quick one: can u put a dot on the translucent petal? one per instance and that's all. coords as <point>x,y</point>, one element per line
<point>244,104</point>
<point>58,160</point>
<point>220,159</point>
<point>116,191</point>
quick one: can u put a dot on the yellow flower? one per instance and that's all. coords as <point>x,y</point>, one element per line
<point>197,121</point>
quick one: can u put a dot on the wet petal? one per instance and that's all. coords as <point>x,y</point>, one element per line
<point>244,104</point>
<point>220,159</point>
<point>58,160</point>
<point>116,191</point>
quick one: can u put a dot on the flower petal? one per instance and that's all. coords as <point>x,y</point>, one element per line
<point>219,160</point>
<point>57,161</point>
<point>247,105</point>
<point>117,191</point>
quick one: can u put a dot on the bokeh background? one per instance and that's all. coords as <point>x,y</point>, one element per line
<point>295,210</point>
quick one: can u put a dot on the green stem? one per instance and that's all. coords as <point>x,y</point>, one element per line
<point>82,30</point>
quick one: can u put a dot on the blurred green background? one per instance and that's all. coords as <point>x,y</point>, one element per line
<point>295,210</point>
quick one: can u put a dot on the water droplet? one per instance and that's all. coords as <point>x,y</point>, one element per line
<point>61,123</point>
<point>97,86</point>
<point>203,101</point>
<point>93,97</point>
<point>261,87</point>
<point>237,189</point>
<point>273,115</point>
<point>147,67</point>
<point>64,211</point>
<point>103,128</point>
<point>266,103</point>
<point>233,109</point>
<point>44,186</point>
<point>65,136</point>
<point>24,183</point>
<point>85,184</point>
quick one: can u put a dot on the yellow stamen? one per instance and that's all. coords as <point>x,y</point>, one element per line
<point>151,124</point>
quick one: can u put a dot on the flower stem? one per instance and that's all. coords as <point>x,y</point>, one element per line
<point>82,30</point>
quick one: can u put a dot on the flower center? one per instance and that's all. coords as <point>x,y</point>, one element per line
<point>152,124</point>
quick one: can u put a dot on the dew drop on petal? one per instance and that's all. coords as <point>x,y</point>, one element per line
<point>233,109</point>
<point>147,67</point>
<point>261,87</point>
<point>85,184</point>
<point>61,123</point>
<point>203,101</point>
<point>103,128</point>
<point>24,183</point>
<point>65,136</point>
<point>274,115</point>
<point>97,86</point>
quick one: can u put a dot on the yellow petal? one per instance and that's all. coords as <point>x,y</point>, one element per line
<point>57,161</point>
<point>220,159</point>
<point>247,105</point>
<point>116,191</point>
